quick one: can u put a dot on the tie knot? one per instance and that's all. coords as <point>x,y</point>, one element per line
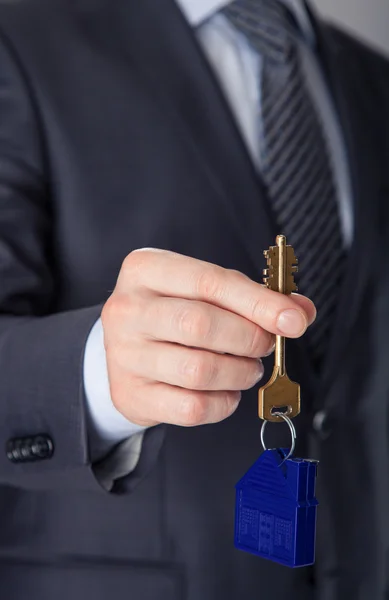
<point>268,25</point>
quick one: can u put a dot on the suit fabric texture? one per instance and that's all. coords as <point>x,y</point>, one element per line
<point>114,135</point>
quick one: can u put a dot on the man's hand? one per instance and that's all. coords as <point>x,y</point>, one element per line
<point>183,337</point>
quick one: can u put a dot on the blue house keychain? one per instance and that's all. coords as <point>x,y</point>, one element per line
<point>275,513</point>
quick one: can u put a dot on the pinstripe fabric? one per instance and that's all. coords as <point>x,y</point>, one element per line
<point>296,166</point>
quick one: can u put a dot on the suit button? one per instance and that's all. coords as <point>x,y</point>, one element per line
<point>42,447</point>
<point>13,453</point>
<point>322,424</point>
<point>29,449</point>
<point>25,452</point>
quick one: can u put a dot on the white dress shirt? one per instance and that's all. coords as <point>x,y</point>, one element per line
<point>238,68</point>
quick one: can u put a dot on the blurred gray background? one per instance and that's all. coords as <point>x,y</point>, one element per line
<point>368,18</point>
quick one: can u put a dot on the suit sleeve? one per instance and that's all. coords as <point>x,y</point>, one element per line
<point>41,352</point>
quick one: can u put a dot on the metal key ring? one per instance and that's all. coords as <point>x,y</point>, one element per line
<point>292,431</point>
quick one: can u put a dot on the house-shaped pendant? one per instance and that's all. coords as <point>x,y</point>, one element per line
<point>275,513</point>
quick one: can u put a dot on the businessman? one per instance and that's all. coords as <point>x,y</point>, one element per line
<point>149,152</point>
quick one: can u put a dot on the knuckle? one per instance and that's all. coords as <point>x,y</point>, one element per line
<point>194,322</point>
<point>111,309</point>
<point>136,257</point>
<point>131,261</point>
<point>115,307</point>
<point>210,283</point>
<point>108,311</point>
<point>135,264</point>
<point>193,410</point>
<point>200,372</point>
<point>239,275</point>
<point>258,308</point>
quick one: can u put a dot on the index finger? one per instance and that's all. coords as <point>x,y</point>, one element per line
<point>171,274</point>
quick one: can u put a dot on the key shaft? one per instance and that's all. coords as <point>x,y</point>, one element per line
<point>280,341</point>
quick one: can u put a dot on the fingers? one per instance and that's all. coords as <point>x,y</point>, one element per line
<point>174,275</point>
<point>193,323</point>
<point>150,403</point>
<point>189,368</point>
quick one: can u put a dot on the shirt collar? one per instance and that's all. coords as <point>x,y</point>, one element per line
<point>197,11</point>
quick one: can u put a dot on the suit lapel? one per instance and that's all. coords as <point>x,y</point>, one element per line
<point>348,93</point>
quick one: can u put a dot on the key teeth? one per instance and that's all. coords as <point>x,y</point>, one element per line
<point>270,274</point>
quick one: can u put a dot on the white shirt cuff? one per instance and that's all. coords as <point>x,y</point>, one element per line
<point>106,425</point>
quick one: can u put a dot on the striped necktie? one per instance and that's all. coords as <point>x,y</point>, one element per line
<point>295,164</point>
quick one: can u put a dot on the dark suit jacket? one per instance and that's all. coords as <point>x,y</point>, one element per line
<point>114,135</point>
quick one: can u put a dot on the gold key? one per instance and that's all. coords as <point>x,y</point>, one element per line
<point>280,394</point>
